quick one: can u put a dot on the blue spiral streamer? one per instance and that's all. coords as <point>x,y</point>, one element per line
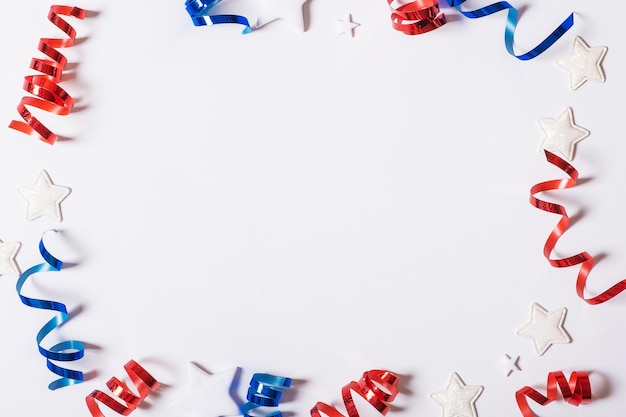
<point>265,391</point>
<point>70,350</point>
<point>511,24</point>
<point>199,12</point>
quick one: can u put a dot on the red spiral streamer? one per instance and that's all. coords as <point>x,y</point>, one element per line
<point>144,382</point>
<point>377,387</point>
<point>49,96</point>
<point>576,392</point>
<point>584,259</point>
<point>417,17</point>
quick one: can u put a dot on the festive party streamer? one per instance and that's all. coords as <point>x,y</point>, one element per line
<point>583,258</point>
<point>143,381</point>
<point>265,391</point>
<point>199,12</point>
<point>48,95</point>
<point>511,24</point>
<point>417,17</point>
<point>68,351</point>
<point>368,387</point>
<point>576,392</point>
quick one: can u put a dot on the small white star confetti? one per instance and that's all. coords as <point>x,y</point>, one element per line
<point>8,264</point>
<point>458,399</point>
<point>508,364</point>
<point>289,10</point>
<point>44,198</point>
<point>208,395</point>
<point>561,134</point>
<point>545,328</point>
<point>346,25</point>
<point>584,63</point>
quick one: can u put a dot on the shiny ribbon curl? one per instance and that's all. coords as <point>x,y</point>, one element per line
<point>265,391</point>
<point>576,392</point>
<point>585,260</point>
<point>49,96</point>
<point>68,351</point>
<point>511,24</point>
<point>143,381</point>
<point>417,17</point>
<point>368,387</point>
<point>199,12</point>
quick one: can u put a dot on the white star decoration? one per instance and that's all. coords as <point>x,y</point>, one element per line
<point>44,198</point>
<point>561,134</point>
<point>458,399</point>
<point>208,395</point>
<point>545,328</point>
<point>290,10</point>
<point>583,63</point>
<point>509,364</point>
<point>8,264</point>
<point>346,26</point>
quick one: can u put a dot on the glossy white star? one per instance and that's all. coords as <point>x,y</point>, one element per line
<point>289,10</point>
<point>458,399</point>
<point>545,328</point>
<point>562,134</point>
<point>346,26</point>
<point>583,63</point>
<point>509,364</point>
<point>44,198</point>
<point>208,395</point>
<point>8,264</point>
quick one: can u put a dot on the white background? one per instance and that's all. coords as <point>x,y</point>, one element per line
<point>313,205</point>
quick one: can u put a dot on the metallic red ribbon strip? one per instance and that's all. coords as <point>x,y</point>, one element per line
<point>583,258</point>
<point>417,17</point>
<point>48,95</point>
<point>143,381</point>
<point>576,392</point>
<point>368,387</point>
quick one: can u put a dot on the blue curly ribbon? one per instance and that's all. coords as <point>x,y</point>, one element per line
<point>70,350</point>
<point>265,391</point>
<point>511,24</point>
<point>199,9</point>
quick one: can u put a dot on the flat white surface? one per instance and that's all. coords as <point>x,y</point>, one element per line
<point>313,205</point>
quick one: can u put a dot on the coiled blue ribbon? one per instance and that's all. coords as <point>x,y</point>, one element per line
<point>511,24</point>
<point>70,350</point>
<point>199,12</point>
<point>265,391</point>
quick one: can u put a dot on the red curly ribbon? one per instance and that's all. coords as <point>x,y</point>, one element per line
<point>576,392</point>
<point>368,387</point>
<point>583,258</point>
<point>48,95</point>
<point>143,381</point>
<point>417,17</point>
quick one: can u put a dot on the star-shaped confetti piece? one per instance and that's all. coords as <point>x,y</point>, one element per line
<point>508,364</point>
<point>458,399</point>
<point>583,63</point>
<point>44,198</point>
<point>562,134</point>
<point>8,264</point>
<point>289,10</point>
<point>346,25</point>
<point>208,395</point>
<point>545,328</point>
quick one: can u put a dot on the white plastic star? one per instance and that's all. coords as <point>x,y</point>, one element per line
<point>583,63</point>
<point>346,25</point>
<point>545,328</point>
<point>208,395</point>
<point>44,198</point>
<point>458,399</point>
<point>561,134</point>
<point>290,10</point>
<point>8,264</point>
<point>509,364</point>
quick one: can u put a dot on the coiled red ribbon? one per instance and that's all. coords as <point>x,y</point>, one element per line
<point>417,17</point>
<point>48,95</point>
<point>368,387</point>
<point>143,381</point>
<point>576,392</point>
<point>583,258</point>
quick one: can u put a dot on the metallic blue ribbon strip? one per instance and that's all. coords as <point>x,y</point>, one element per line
<point>199,12</point>
<point>65,351</point>
<point>511,24</point>
<point>265,391</point>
